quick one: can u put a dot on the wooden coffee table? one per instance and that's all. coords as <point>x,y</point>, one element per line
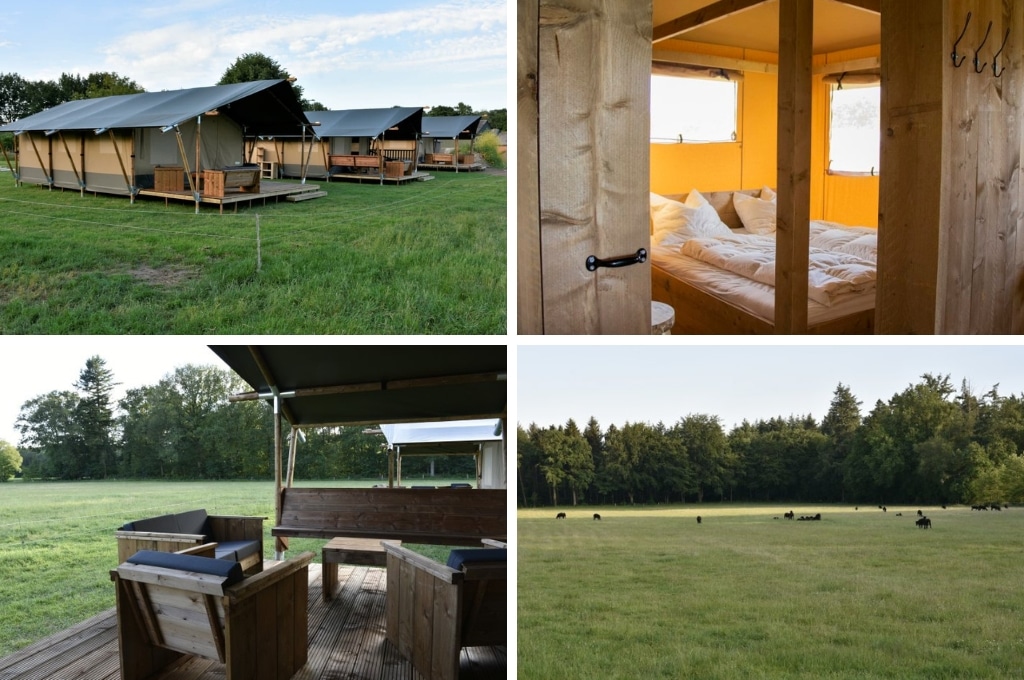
<point>366,552</point>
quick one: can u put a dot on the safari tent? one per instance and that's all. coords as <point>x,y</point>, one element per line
<point>481,439</point>
<point>941,205</point>
<point>441,137</point>
<point>373,135</point>
<point>115,145</point>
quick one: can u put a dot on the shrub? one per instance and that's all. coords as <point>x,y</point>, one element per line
<point>487,146</point>
<point>10,461</point>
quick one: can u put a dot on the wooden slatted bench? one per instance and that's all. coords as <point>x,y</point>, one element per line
<point>353,161</point>
<point>217,183</point>
<point>436,516</point>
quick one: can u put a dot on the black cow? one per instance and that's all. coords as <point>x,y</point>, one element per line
<point>560,515</point>
<point>698,519</point>
<point>597,516</point>
<point>920,514</point>
<point>924,523</point>
<point>789,515</point>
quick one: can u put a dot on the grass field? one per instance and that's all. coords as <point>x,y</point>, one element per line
<point>57,542</point>
<point>649,593</point>
<point>423,258</point>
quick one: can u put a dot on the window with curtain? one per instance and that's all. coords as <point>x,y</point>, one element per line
<point>855,121</point>
<point>688,109</point>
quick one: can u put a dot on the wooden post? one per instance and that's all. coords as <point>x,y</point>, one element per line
<point>796,19</point>
<point>529,301</point>
<point>292,448</point>
<point>279,545</point>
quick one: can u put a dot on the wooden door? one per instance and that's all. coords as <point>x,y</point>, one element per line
<point>583,102</point>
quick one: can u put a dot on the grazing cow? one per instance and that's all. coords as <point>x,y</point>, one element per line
<point>789,515</point>
<point>698,519</point>
<point>924,523</point>
<point>995,506</point>
<point>899,514</point>
<point>560,515</point>
<point>943,506</point>
<point>885,509</point>
<point>920,514</point>
<point>597,516</point>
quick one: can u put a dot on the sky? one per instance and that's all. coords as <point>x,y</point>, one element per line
<point>618,384</point>
<point>346,54</point>
<point>33,366</point>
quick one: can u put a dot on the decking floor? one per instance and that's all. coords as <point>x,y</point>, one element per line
<point>346,642</point>
<point>272,190</point>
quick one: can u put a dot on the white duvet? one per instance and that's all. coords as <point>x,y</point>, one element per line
<point>841,259</point>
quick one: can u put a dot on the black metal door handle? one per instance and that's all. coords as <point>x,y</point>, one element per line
<point>593,262</point>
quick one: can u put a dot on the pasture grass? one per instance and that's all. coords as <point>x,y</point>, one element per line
<point>422,258</point>
<point>57,543</point>
<point>649,593</point>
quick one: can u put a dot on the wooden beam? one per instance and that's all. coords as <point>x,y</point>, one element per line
<point>701,17</point>
<point>529,300</point>
<point>868,5</point>
<point>865,64</point>
<point>713,61</point>
<point>796,27</point>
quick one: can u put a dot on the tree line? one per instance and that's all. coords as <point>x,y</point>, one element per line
<point>183,427</point>
<point>930,443</point>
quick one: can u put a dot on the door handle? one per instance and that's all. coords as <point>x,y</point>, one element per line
<point>593,262</point>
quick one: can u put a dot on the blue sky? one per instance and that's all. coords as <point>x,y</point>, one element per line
<point>345,54</point>
<point>649,383</point>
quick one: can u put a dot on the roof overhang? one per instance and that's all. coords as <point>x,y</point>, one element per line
<point>323,385</point>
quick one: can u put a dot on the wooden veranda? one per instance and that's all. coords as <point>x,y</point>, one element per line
<point>346,640</point>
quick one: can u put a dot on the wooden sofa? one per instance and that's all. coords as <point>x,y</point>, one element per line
<point>434,610</point>
<point>443,516</point>
<point>354,161</point>
<point>218,183</point>
<point>170,605</point>
<point>238,538</point>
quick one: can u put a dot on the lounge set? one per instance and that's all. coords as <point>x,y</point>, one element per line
<point>193,583</point>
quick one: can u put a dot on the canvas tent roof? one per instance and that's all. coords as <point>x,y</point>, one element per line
<point>263,107</point>
<point>364,384</point>
<point>461,436</point>
<point>451,127</point>
<point>399,121</point>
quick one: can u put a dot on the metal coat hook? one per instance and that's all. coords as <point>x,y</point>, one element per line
<point>995,57</point>
<point>978,51</point>
<point>956,63</point>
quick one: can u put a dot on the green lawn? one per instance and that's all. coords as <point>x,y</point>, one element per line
<point>423,258</point>
<point>649,593</point>
<point>57,542</point>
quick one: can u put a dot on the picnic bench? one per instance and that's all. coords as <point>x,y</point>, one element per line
<point>170,605</point>
<point>217,183</point>
<point>433,610</point>
<point>443,516</point>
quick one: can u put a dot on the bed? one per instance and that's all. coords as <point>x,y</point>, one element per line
<point>710,300</point>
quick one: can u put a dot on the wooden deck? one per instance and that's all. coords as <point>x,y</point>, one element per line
<point>273,190</point>
<point>378,179</point>
<point>346,641</point>
<point>462,167</point>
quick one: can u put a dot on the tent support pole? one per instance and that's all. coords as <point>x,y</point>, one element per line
<point>120,161</point>
<point>81,184</point>
<point>504,451</point>
<point>188,171</point>
<point>279,545</point>
<point>42,166</point>
<point>391,467</point>
<point>9,165</point>
<point>398,464</point>
<point>293,446</point>
<point>199,134</point>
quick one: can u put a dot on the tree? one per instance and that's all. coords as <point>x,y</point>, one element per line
<point>49,428</point>
<point>95,453</point>
<point>708,451</point>
<point>497,119</point>
<point>578,461</point>
<point>460,109</point>
<point>14,101</point>
<point>253,66</point>
<point>10,461</point>
<point>839,427</point>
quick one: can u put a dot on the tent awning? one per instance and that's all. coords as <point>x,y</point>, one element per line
<point>451,127</point>
<point>395,123</point>
<point>464,436</point>
<point>263,107</point>
<point>372,384</point>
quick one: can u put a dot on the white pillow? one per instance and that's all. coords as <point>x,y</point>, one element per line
<point>709,223</point>
<point>674,222</point>
<point>757,214</point>
<point>767,194</point>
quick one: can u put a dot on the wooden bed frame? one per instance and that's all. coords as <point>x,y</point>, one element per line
<point>701,313</point>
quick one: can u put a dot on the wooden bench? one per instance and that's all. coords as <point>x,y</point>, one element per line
<point>354,161</point>
<point>171,533</point>
<point>257,626</point>
<point>437,516</point>
<point>217,183</point>
<point>434,610</point>
<point>442,159</point>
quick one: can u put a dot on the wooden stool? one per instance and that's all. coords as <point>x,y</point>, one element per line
<point>663,317</point>
<point>367,552</point>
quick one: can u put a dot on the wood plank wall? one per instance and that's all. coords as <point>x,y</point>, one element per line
<point>950,260</point>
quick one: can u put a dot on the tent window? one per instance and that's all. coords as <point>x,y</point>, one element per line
<point>855,120</point>
<point>692,110</point>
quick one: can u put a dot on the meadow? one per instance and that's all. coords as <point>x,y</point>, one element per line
<point>423,258</point>
<point>57,543</point>
<point>649,593</point>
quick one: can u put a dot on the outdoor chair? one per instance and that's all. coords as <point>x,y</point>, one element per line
<point>172,604</point>
<point>434,610</point>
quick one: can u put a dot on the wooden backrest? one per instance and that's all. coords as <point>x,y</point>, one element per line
<point>721,201</point>
<point>440,516</point>
<point>484,604</point>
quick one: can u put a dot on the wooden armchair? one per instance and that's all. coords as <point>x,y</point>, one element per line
<point>238,538</point>
<point>170,605</point>
<point>434,610</point>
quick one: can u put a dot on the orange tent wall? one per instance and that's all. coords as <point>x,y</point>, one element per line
<point>750,162</point>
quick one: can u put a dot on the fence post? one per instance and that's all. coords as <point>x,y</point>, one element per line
<point>259,254</point>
